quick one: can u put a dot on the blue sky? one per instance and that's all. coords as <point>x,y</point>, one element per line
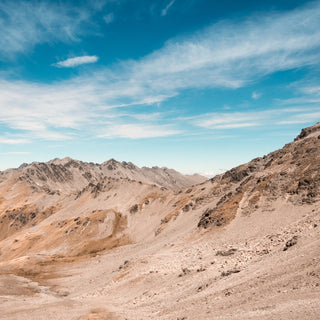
<point>195,85</point>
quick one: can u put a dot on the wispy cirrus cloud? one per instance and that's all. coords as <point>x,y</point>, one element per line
<point>49,112</point>
<point>231,55</point>
<point>24,24</point>
<point>109,18</point>
<point>256,95</point>
<point>63,111</point>
<point>314,90</point>
<point>15,152</point>
<point>230,120</point>
<point>164,11</point>
<point>76,61</point>
<point>306,93</point>
<point>305,117</point>
<point>138,131</point>
<point>246,119</point>
<point>6,140</point>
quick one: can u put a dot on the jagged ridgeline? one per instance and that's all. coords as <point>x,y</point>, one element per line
<point>75,175</point>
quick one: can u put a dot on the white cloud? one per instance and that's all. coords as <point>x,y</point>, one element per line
<point>15,153</point>
<point>311,90</point>
<point>5,140</point>
<point>256,95</point>
<point>138,131</point>
<point>24,24</point>
<point>306,117</point>
<point>146,116</point>
<point>302,100</point>
<point>168,6</point>
<point>109,18</point>
<point>236,120</point>
<point>229,120</point>
<point>310,94</point>
<point>44,111</point>
<point>74,62</point>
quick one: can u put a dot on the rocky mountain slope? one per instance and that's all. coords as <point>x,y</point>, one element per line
<point>114,241</point>
<point>68,174</point>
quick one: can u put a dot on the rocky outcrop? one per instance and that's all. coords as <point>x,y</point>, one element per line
<point>291,173</point>
<point>307,131</point>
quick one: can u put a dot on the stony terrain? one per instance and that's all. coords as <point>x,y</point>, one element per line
<point>114,241</point>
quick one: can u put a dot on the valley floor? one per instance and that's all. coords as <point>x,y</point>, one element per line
<point>230,273</point>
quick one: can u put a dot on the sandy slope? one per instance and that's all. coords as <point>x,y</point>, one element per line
<point>244,245</point>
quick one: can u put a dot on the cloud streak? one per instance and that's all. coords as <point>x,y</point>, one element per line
<point>236,120</point>
<point>5,140</point>
<point>15,153</point>
<point>109,18</point>
<point>138,131</point>
<point>256,95</point>
<point>76,61</point>
<point>169,5</point>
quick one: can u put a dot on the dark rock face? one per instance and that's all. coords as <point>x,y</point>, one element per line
<point>186,208</point>
<point>87,175</point>
<point>234,175</point>
<point>72,164</point>
<point>45,172</point>
<point>125,265</point>
<point>13,220</point>
<point>290,243</point>
<point>224,211</point>
<point>134,208</point>
<point>226,253</point>
<point>305,132</point>
<point>112,164</point>
<point>20,216</point>
<point>229,272</point>
<point>224,198</point>
<point>210,219</point>
<point>128,165</point>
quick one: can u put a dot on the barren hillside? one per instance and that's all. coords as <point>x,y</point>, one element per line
<point>114,241</point>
